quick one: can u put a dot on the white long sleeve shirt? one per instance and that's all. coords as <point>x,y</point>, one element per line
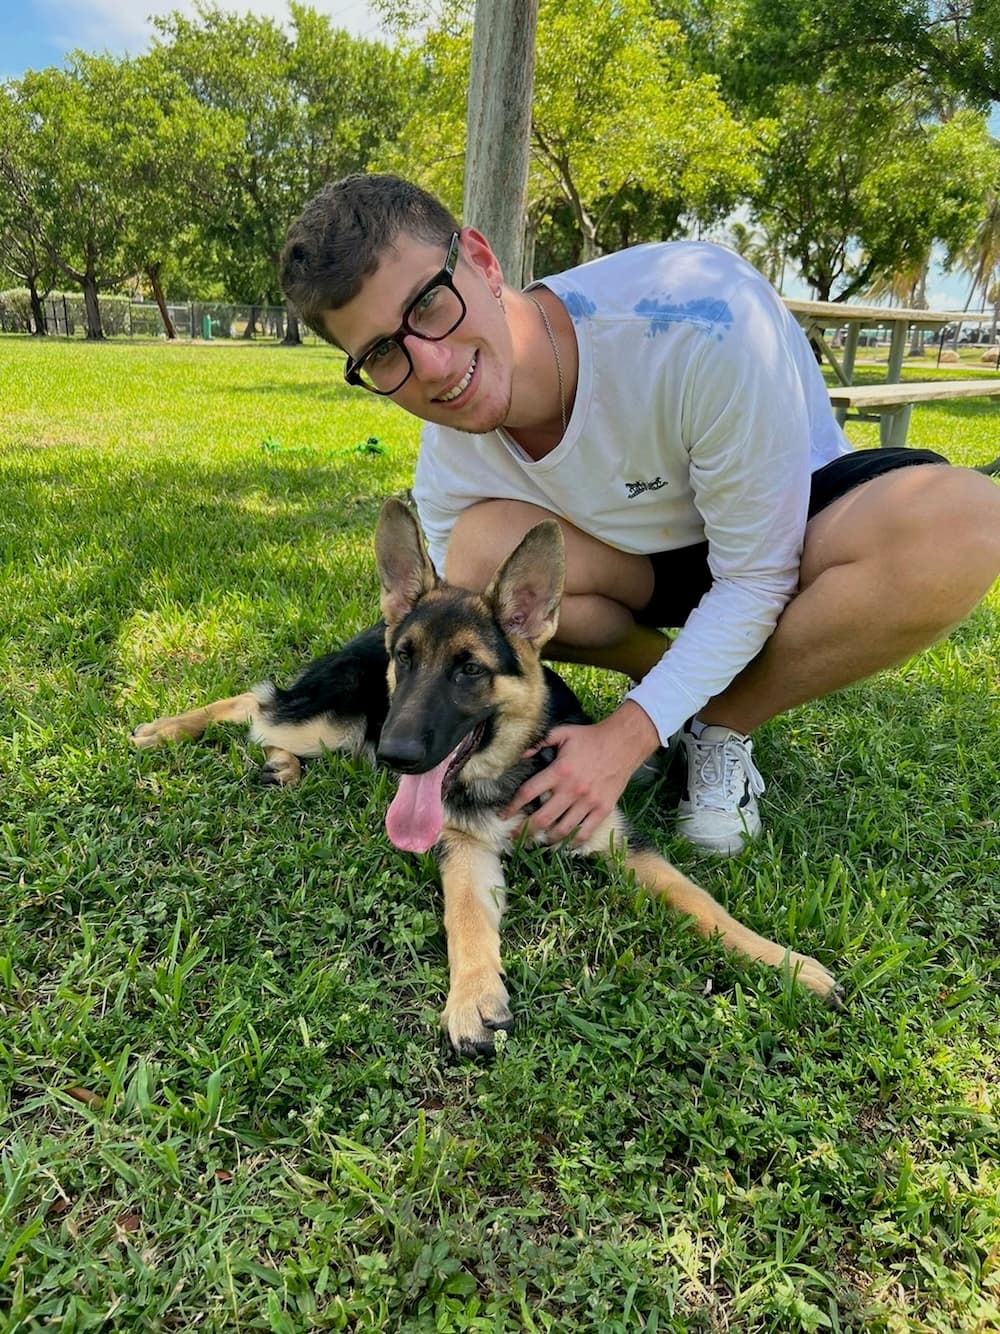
<point>700,413</point>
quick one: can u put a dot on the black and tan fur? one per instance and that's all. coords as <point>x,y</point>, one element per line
<point>444,665</point>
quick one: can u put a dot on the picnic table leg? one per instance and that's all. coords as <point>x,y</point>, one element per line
<point>895,423</point>
<point>893,426</point>
<point>847,364</point>
<point>897,349</point>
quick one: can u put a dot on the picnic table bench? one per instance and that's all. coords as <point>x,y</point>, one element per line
<point>891,402</point>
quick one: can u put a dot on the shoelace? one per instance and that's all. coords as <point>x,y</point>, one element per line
<point>722,767</point>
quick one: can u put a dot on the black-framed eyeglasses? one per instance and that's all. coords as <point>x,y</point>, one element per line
<point>436,311</point>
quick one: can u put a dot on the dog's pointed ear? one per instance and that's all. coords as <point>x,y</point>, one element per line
<point>404,569</point>
<point>527,589</point>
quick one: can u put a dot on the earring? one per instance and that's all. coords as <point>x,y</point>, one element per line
<point>499,296</point>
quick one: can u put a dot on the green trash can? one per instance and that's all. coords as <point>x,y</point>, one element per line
<point>206,326</point>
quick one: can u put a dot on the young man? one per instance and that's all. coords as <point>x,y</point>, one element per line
<point>663,405</point>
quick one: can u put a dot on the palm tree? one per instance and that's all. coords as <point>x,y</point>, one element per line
<point>905,286</point>
<point>758,249</point>
<point>981,258</point>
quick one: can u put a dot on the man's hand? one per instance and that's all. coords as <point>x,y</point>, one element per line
<point>589,773</point>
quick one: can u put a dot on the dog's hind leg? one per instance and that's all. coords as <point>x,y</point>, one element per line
<point>283,742</point>
<point>337,703</point>
<point>235,709</point>
<point>281,769</point>
<point>657,875</point>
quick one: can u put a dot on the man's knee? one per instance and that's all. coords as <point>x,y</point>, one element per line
<point>484,535</point>
<point>942,555</point>
<point>953,525</point>
<point>907,523</point>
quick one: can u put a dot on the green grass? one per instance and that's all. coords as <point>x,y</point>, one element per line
<point>248,980</point>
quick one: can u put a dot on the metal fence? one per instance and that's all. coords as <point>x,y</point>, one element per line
<point>65,317</point>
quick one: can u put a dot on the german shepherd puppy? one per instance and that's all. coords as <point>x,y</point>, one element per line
<point>450,691</point>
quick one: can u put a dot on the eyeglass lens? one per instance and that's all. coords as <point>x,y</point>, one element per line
<point>433,316</point>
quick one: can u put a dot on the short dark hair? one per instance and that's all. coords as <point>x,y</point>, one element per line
<point>339,238</point>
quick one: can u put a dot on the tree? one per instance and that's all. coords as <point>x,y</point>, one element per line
<point>980,259</point>
<point>856,185</point>
<point>189,149</point>
<point>71,193</point>
<point>949,49</point>
<point>303,106</point>
<point>110,152</point>
<point>22,252</point>
<point>618,108</point>
<point>627,141</point>
<point>759,249</point>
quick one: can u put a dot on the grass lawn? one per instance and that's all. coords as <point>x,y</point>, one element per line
<point>225,1103</point>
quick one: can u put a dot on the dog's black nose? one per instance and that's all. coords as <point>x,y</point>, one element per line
<point>408,755</point>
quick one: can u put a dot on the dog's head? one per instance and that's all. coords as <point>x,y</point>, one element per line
<point>460,664</point>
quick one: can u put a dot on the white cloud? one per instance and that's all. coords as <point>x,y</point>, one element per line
<point>123,25</point>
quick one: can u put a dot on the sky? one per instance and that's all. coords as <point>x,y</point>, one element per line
<point>36,33</point>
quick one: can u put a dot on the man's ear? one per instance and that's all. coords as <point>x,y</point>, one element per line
<point>479,254</point>
<point>404,569</point>
<point>526,591</point>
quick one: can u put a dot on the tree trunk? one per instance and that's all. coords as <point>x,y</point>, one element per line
<point>293,337</point>
<point>95,330</point>
<point>920,303</point>
<point>153,274</point>
<point>37,311</point>
<point>251,329</point>
<point>498,126</point>
<point>589,248</point>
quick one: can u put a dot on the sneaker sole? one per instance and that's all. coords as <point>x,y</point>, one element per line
<point>726,845</point>
<point>731,847</point>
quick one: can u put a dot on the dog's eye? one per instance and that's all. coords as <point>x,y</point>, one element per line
<point>471,669</point>
<point>403,657</point>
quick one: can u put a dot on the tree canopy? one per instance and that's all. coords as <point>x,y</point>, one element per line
<point>847,139</point>
<point>198,152</point>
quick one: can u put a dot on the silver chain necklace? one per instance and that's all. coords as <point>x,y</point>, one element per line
<point>555,352</point>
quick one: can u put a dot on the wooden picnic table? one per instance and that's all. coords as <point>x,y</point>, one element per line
<point>891,402</point>
<point>818,316</point>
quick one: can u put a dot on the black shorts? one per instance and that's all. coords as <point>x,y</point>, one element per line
<point>682,577</point>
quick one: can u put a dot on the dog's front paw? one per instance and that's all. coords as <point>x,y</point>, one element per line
<point>476,1010</point>
<point>811,973</point>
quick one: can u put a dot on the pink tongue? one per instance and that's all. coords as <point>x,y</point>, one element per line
<point>413,821</point>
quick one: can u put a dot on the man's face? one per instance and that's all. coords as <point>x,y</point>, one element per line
<point>463,381</point>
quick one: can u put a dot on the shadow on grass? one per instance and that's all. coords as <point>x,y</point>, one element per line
<point>296,535</point>
<point>336,391</point>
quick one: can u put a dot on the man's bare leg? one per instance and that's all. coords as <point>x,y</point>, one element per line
<point>886,570</point>
<point>603,586</point>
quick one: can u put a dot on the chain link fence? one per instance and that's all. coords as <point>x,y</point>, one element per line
<point>65,317</point>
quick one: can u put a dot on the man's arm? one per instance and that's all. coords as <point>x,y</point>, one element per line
<point>748,435</point>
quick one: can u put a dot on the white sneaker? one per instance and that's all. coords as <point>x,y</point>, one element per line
<point>718,808</point>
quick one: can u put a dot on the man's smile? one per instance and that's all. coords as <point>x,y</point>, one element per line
<point>462,385</point>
